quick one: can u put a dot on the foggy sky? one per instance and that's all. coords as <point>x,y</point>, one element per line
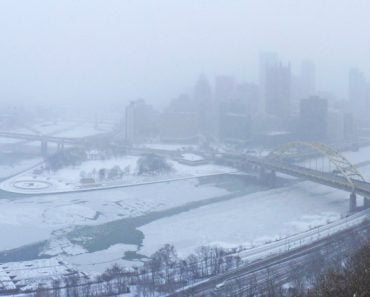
<point>81,51</point>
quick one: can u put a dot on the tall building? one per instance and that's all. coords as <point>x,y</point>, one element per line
<point>314,119</point>
<point>179,121</point>
<point>234,127</point>
<point>278,90</point>
<point>141,121</point>
<point>303,85</point>
<point>359,93</point>
<point>247,99</point>
<point>307,79</point>
<point>266,60</point>
<point>205,107</point>
<point>178,127</point>
<point>224,88</point>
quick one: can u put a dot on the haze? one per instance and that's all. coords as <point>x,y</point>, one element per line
<point>68,52</point>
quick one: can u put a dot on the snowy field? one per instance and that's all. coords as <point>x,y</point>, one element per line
<point>13,168</point>
<point>68,179</point>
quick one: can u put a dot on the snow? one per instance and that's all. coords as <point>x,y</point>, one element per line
<point>5,141</point>
<point>39,218</point>
<point>168,147</point>
<point>14,168</point>
<point>82,130</point>
<point>62,246</point>
<point>192,157</point>
<point>249,220</point>
<point>52,128</point>
<point>70,128</point>
<point>101,260</point>
<point>276,133</point>
<point>68,179</point>
<point>28,274</point>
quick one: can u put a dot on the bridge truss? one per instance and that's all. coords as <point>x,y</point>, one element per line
<point>342,165</point>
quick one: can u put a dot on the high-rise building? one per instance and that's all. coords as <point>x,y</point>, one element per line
<point>359,93</point>
<point>307,79</point>
<point>303,85</point>
<point>234,127</point>
<point>266,60</point>
<point>178,127</point>
<point>246,99</point>
<point>179,121</point>
<point>224,88</point>
<point>278,90</point>
<point>141,121</point>
<point>205,106</point>
<point>341,127</point>
<point>314,119</point>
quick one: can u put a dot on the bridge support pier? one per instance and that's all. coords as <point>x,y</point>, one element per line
<point>60,147</point>
<point>44,148</point>
<point>352,202</point>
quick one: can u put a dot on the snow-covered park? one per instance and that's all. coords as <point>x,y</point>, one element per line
<point>71,178</point>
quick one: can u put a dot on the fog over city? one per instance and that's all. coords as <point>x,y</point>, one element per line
<point>184,148</point>
<point>94,51</point>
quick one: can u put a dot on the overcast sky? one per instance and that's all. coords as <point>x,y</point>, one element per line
<point>117,50</point>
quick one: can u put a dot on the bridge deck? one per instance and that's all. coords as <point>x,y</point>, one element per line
<point>324,178</point>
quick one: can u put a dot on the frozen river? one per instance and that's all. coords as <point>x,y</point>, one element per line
<point>95,229</point>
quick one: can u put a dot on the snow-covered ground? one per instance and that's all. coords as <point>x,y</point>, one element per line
<point>27,275</point>
<point>83,130</point>
<point>13,168</point>
<point>68,179</point>
<point>249,220</point>
<point>99,261</point>
<point>168,147</point>
<point>191,157</point>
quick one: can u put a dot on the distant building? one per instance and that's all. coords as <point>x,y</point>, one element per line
<point>303,85</point>
<point>308,79</point>
<point>234,127</point>
<point>278,90</point>
<point>341,127</point>
<point>359,93</point>
<point>141,121</point>
<point>179,127</point>
<point>224,88</point>
<point>314,119</point>
<point>246,99</point>
<point>273,139</point>
<point>266,60</point>
<point>205,108</point>
<point>182,103</point>
<point>349,127</point>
